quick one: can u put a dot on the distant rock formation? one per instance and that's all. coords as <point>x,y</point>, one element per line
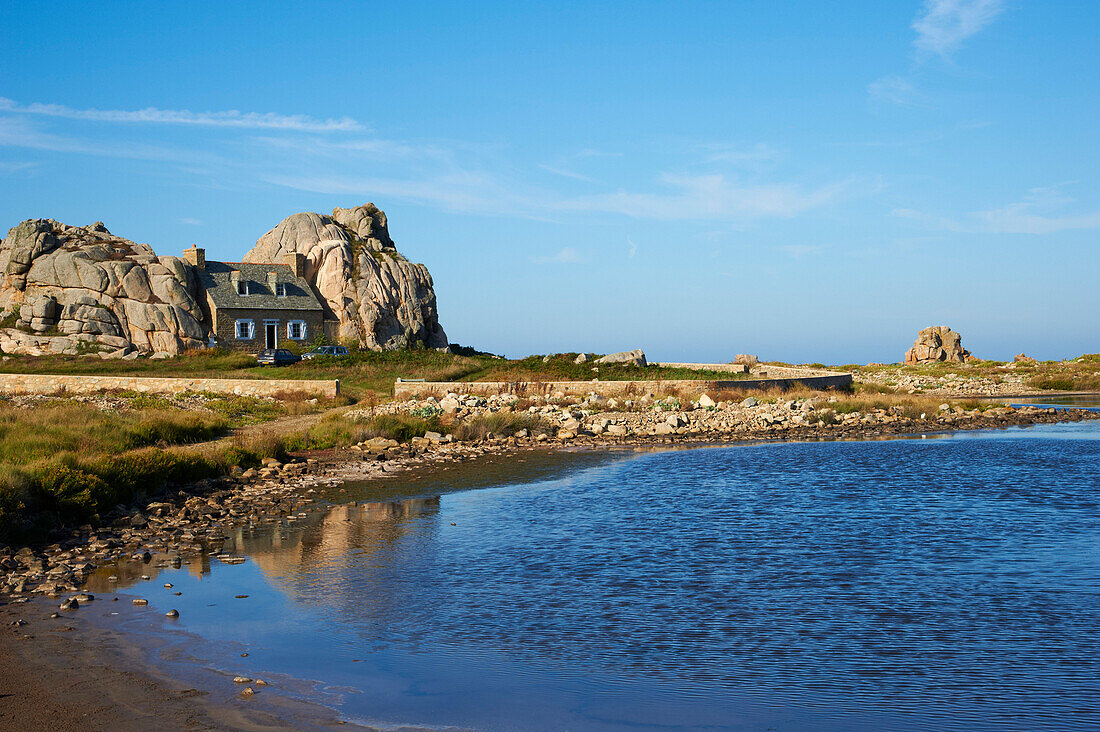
<point>935,344</point>
<point>746,359</point>
<point>71,290</point>
<point>1023,358</point>
<point>381,300</point>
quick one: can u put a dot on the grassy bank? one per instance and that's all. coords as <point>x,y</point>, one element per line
<point>65,460</point>
<point>64,463</point>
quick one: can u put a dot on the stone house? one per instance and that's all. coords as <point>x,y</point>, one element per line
<point>253,306</point>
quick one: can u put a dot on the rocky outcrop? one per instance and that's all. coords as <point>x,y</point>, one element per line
<point>935,344</point>
<point>636,357</point>
<point>381,300</point>
<point>71,289</point>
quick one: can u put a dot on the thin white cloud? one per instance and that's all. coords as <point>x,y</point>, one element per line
<point>738,155</point>
<point>152,115</point>
<point>567,255</point>
<point>7,167</point>
<point>896,90</point>
<point>705,197</point>
<point>566,173</point>
<point>19,133</point>
<point>189,221</point>
<point>943,25</point>
<point>369,148</point>
<point>458,191</point>
<point>633,248</point>
<point>453,176</point>
<point>1040,212</point>
<point>797,251</point>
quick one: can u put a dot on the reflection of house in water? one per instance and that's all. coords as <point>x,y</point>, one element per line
<point>348,540</point>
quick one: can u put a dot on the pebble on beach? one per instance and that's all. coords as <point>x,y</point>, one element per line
<point>173,613</point>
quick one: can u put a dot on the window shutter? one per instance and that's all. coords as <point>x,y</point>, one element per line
<point>251,329</point>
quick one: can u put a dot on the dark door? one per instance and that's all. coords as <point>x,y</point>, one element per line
<point>270,341</point>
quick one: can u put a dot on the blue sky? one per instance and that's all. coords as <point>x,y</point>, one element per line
<point>808,181</point>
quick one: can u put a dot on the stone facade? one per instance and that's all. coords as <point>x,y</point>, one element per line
<point>253,306</point>
<point>224,322</point>
<point>69,384</point>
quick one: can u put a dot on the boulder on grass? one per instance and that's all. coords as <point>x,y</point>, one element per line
<point>636,357</point>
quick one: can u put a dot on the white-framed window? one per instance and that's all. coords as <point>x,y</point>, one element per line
<point>245,330</point>
<point>296,330</point>
<point>242,287</point>
<point>280,289</point>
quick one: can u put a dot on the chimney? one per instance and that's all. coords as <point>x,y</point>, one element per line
<point>271,278</point>
<point>235,281</point>
<point>297,262</point>
<point>195,256</point>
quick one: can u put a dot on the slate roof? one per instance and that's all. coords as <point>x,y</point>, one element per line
<point>216,278</point>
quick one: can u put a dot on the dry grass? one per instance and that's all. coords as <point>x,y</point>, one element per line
<point>499,424</point>
<point>65,462</point>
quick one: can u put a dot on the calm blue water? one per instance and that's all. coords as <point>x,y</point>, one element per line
<point>949,583</point>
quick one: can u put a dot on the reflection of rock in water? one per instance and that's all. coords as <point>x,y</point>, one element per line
<point>129,572</point>
<point>340,542</point>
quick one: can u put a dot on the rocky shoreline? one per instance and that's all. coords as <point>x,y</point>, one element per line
<point>181,526</point>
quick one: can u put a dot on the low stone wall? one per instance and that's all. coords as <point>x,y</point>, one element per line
<point>423,390</point>
<point>729,368</point>
<point>70,384</point>
<point>789,372</point>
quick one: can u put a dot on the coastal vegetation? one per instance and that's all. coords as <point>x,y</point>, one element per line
<point>67,462</point>
<point>67,459</point>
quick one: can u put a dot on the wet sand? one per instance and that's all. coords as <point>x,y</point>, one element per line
<point>74,673</point>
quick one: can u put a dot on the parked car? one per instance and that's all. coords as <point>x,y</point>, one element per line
<point>277,357</point>
<point>325,351</point>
